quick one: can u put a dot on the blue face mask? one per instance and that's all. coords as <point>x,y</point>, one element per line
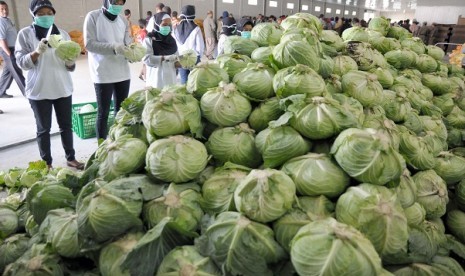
<point>164,30</point>
<point>44,21</point>
<point>246,34</point>
<point>115,9</point>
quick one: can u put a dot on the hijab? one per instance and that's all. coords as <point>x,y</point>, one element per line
<point>162,45</point>
<point>105,6</point>
<point>187,25</point>
<point>244,21</point>
<point>34,7</point>
<point>229,26</point>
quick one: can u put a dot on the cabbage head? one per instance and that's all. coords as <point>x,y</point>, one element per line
<point>460,195</point>
<point>119,157</point>
<point>368,156</point>
<point>415,44</point>
<point>415,214</point>
<point>305,210</point>
<point>181,202</point>
<point>380,24</point>
<point>417,269</point>
<point>267,34</point>
<point>239,45</point>
<point>264,113</point>
<point>435,52</point>
<point>218,189</point>
<point>401,59</point>
<point>60,230</point>
<point>113,255</point>
<point>364,87</point>
<point>262,55</point>
<point>351,105</point>
<point>302,20</point>
<point>399,33</point>
<point>426,64</point>
<point>234,144</point>
<point>450,167</point>
<point>38,260</point>
<point>333,84</point>
<point>417,151</point>
<point>233,63</point>
<point>434,125</point>
<point>299,79</point>
<point>136,130</point>
<point>356,34</point>
<point>431,193</point>
<point>279,144</point>
<point>256,81</point>
<point>366,57</point>
<point>186,259</point>
<point>375,212</point>
<point>319,117</point>
<point>405,188</point>
<point>456,224</point>
<point>134,52</point>
<point>239,246</point>
<point>326,66</point>
<point>396,105</point>
<point>70,50</point>
<point>385,44</point>
<point>344,64</point>
<point>333,242</point>
<point>172,113</point>
<point>225,105</point>
<point>205,75</point>
<point>332,38</point>
<point>384,76</point>
<point>439,85</point>
<point>292,52</point>
<point>176,159</point>
<point>445,103</point>
<point>316,174</point>
<point>265,195</point>
<point>8,222</point>
<point>456,118</point>
<point>107,210</point>
<point>12,248</point>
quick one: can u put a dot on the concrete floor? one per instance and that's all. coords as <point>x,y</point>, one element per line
<point>18,130</point>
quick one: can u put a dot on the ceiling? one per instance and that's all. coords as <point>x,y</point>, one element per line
<point>380,5</point>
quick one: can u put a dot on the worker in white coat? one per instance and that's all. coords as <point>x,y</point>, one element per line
<point>106,36</point>
<point>188,36</point>
<point>161,53</point>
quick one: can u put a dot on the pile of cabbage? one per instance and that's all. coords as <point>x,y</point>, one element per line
<point>297,152</point>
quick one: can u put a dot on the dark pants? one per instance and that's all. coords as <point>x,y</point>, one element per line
<point>105,91</point>
<point>10,71</point>
<point>43,114</point>
<point>184,73</point>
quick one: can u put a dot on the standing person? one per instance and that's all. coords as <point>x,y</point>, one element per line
<point>423,33</point>
<point>209,27</point>
<point>244,28</point>
<point>167,10</point>
<point>140,39</point>
<point>229,29</point>
<point>188,36</point>
<point>414,28</point>
<point>174,19</point>
<point>11,70</point>
<point>48,81</point>
<point>147,18</point>
<point>158,8</point>
<point>127,15</point>
<point>432,39</point>
<point>161,53</point>
<point>106,35</point>
<point>338,25</point>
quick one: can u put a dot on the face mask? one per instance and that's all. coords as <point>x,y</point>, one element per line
<point>115,9</point>
<point>44,21</point>
<point>164,30</point>
<point>246,34</point>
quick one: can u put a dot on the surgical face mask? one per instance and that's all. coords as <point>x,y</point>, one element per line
<point>115,9</point>
<point>164,30</point>
<point>44,21</point>
<point>246,34</point>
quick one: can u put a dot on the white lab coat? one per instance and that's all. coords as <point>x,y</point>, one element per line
<point>158,73</point>
<point>194,41</point>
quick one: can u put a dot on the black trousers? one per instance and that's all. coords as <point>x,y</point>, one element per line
<point>10,71</point>
<point>104,92</point>
<point>43,114</point>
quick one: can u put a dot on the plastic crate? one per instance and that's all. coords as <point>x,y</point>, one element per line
<point>84,124</point>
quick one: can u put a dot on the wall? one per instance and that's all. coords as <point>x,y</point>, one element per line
<point>396,16</point>
<point>439,14</point>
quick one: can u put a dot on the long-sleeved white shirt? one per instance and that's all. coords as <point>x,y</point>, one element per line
<point>47,78</point>
<point>159,73</point>
<point>194,41</point>
<point>101,35</point>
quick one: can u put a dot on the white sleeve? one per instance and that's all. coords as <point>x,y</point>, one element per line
<point>150,59</point>
<point>150,25</point>
<point>199,42</point>
<point>23,49</point>
<point>90,38</point>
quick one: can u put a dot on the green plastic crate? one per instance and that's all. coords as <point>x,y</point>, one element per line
<point>84,123</point>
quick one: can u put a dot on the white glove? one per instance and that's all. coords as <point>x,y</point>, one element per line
<point>171,58</point>
<point>120,49</point>
<point>42,47</point>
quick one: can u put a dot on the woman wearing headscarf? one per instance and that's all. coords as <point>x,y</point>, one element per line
<point>188,36</point>
<point>161,53</point>
<point>228,29</point>
<point>106,35</point>
<point>244,28</point>
<point>48,80</point>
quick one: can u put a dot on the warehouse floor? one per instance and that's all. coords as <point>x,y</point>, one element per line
<point>17,123</point>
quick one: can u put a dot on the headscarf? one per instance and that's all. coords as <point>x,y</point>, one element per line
<point>187,25</point>
<point>105,6</point>
<point>229,26</point>
<point>34,7</point>
<point>162,44</point>
<point>244,21</point>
